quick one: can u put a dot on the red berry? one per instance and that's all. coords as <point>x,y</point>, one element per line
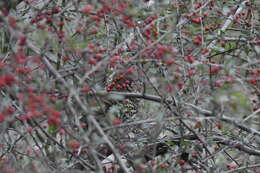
<point>141,167</point>
<point>73,144</point>
<point>198,124</point>
<point>116,121</point>
<point>230,79</point>
<point>119,77</point>
<point>216,148</point>
<point>170,61</point>
<point>219,83</point>
<point>163,166</point>
<point>56,10</point>
<point>232,166</point>
<point>190,59</point>
<point>214,69</point>
<point>114,59</point>
<point>180,84</point>
<point>219,125</point>
<point>22,40</point>
<point>87,9</point>
<point>29,129</point>
<point>255,108</point>
<point>12,22</point>
<point>85,89</point>
<point>153,163</point>
<point>82,124</point>
<point>75,150</point>
<point>9,79</point>
<point>253,82</point>
<point>191,72</point>
<point>54,121</point>
<point>124,85</point>
<point>196,20</point>
<point>98,56</point>
<point>182,162</point>
<point>197,41</point>
<point>130,71</point>
<point>198,5</point>
<point>61,131</point>
<point>122,148</point>
<point>9,171</point>
<point>194,155</point>
<point>127,82</point>
<point>248,3</point>
<point>169,88</point>
<point>118,87</point>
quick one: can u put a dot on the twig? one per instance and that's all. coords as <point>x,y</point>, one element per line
<point>226,119</point>
<point>244,167</point>
<point>74,94</point>
<point>227,23</point>
<point>207,113</point>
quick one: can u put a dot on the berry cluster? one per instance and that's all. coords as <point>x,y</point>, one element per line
<point>119,83</point>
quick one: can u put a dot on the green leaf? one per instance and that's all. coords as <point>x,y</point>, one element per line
<point>219,49</point>
<point>58,105</point>
<point>241,98</point>
<point>257,49</point>
<point>52,129</point>
<point>228,64</point>
<point>230,45</point>
<point>172,143</point>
